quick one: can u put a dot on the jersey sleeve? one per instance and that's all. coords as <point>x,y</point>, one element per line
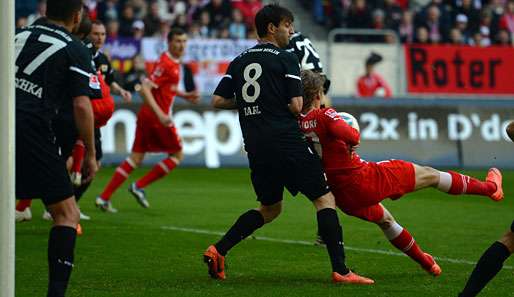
<point>109,75</point>
<point>292,77</point>
<point>83,80</point>
<point>338,128</point>
<point>226,87</point>
<point>161,74</point>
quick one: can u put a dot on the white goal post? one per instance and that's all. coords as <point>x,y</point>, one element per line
<point>7,114</point>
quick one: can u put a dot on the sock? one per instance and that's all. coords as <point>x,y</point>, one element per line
<point>487,267</point>
<point>23,204</point>
<point>332,234</point>
<point>456,184</point>
<point>61,244</point>
<point>121,174</point>
<point>80,190</point>
<point>79,151</point>
<point>160,170</point>
<point>406,243</point>
<point>245,225</point>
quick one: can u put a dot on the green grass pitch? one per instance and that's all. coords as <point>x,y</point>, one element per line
<point>141,252</point>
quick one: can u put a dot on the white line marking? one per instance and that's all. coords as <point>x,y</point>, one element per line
<point>311,243</point>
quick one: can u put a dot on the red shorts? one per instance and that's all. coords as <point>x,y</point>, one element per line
<point>156,138</point>
<point>358,193</point>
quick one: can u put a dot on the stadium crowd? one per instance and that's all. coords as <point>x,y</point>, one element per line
<point>143,18</point>
<point>459,22</point>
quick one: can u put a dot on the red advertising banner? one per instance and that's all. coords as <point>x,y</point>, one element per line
<point>449,69</point>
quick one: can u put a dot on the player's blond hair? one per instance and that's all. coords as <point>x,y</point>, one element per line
<point>312,85</point>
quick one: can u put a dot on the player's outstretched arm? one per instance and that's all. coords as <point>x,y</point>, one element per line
<point>84,120</point>
<point>223,103</point>
<point>117,89</point>
<point>296,105</point>
<point>193,96</point>
<point>148,98</point>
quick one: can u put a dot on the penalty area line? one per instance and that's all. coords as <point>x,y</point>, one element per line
<point>310,243</point>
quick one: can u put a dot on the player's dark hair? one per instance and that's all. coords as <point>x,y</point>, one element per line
<point>85,25</point>
<point>175,31</point>
<point>312,85</point>
<point>97,22</point>
<point>271,13</point>
<point>62,10</point>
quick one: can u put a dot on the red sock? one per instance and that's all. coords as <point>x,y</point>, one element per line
<point>463,184</point>
<point>406,243</point>
<point>122,173</point>
<point>78,156</point>
<point>23,203</point>
<point>160,170</point>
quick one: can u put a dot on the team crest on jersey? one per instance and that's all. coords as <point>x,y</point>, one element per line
<point>104,68</point>
<point>331,113</point>
<point>94,83</point>
<point>157,72</point>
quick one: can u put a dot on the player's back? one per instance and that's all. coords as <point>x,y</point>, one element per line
<point>332,138</point>
<point>47,58</point>
<point>264,79</point>
<point>302,47</point>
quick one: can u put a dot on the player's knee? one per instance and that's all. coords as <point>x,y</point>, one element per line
<point>66,216</point>
<point>325,201</point>
<point>508,241</point>
<point>386,222</point>
<point>426,176</point>
<point>270,212</point>
<point>178,156</point>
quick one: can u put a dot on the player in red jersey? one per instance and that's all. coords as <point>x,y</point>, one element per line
<point>359,186</point>
<point>155,131</point>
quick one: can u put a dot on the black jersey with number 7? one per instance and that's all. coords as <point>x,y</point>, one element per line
<point>263,80</point>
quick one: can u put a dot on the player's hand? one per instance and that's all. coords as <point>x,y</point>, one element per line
<point>193,96</point>
<point>148,83</point>
<point>126,96</point>
<point>165,120</point>
<point>90,168</point>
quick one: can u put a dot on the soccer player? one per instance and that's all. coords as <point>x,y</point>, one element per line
<point>52,67</point>
<point>155,132</point>
<point>360,186</point>
<point>263,84</point>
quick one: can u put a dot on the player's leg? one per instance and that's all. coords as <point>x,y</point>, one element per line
<point>489,264</point>
<point>400,237</point>
<point>61,245</point>
<point>79,150</point>
<point>454,183</point>
<point>121,174</point>
<point>160,170</point>
<point>23,212</point>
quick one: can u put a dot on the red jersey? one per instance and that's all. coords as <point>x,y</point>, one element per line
<point>103,108</point>
<point>166,75</point>
<point>368,85</point>
<point>332,138</point>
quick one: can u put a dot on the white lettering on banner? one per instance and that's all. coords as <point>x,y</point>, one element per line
<point>460,127</point>
<point>421,129</point>
<point>379,128</point>
<point>127,119</point>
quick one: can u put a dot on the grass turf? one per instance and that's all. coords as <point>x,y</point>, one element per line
<point>131,254</point>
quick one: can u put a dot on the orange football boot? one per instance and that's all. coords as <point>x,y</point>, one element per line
<point>495,176</point>
<point>351,278</point>
<point>215,262</point>
<point>435,269</point>
<point>79,230</point>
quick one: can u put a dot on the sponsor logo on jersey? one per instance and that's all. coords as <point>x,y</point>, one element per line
<point>94,82</point>
<point>29,87</point>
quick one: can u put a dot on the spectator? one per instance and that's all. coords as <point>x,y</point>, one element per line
<point>126,21</point>
<point>378,17</point>
<point>152,20</point>
<point>371,82</point>
<point>41,11</point>
<point>422,36</point>
<point>473,16</point>
<point>406,28</point>
<point>237,28</point>
<point>507,20</point>
<point>140,8</point>
<point>456,37</point>
<point>359,16</point>
<point>112,28</point>
<point>476,40</point>
<point>138,29</point>
<point>194,31</point>
<point>108,10</point>
<point>181,22</point>
<point>503,38</point>
<point>219,12</point>
<point>194,9</point>
<point>223,32</point>
<point>205,24</point>
<point>436,30</point>
<point>393,15</point>
<point>248,8</point>
<point>461,23</point>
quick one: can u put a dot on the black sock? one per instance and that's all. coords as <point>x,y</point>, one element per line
<point>242,228</point>
<point>332,234</point>
<point>61,244</point>
<point>80,190</point>
<point>487,267</point>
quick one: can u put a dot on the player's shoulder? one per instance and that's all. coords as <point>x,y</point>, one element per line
<point>329,113</point>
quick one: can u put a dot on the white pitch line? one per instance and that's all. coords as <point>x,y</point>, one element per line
<point>310,243</point>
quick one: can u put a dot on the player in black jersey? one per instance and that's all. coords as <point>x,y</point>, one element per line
<point>50,70</point>
<point>264,85</point>
<point>309,58</point>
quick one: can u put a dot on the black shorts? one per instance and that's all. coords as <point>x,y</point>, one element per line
<point>40,170</point>
<point>66,135</point>
<point>298,169</point>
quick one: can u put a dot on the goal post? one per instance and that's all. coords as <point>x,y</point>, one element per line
<point>7,114</point>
